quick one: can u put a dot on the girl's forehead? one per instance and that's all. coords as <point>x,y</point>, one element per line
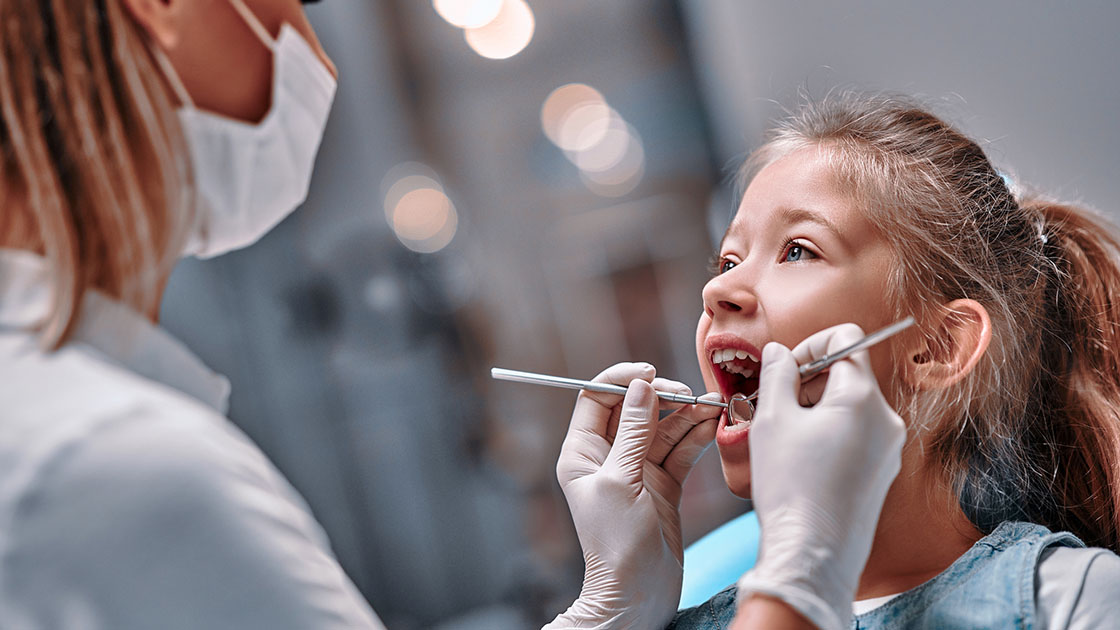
<point>800,188</point>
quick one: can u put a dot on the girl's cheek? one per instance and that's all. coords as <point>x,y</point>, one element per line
<point>701,331</point>
<point>702,327</point>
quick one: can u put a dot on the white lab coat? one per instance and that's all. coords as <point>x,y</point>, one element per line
<point>128,501</point>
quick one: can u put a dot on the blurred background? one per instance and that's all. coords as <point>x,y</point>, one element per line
<point>539,185</point>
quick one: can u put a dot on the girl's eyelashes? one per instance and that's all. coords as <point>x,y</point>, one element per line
<point>794,250</point>
<point>720,265</point>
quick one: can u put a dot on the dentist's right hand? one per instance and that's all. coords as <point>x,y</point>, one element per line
<point>819,476</point>
<point>621,471</point>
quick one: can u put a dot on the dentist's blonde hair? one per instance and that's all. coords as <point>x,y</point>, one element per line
<point>1033,431</point>
<point>94,171</point>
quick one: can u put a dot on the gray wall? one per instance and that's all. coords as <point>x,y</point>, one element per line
<point>1040,81</point>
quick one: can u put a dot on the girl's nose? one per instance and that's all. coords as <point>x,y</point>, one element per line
<point>728,295</point>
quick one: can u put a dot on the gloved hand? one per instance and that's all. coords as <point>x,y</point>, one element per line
<point>621,471</point>
<point>819,476</point>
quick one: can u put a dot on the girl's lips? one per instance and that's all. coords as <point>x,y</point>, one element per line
<point>725,380</point>
<point>728,436</point>
<point>724,341</point>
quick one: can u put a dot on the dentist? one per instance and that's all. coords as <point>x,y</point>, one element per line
<point>133,133</point>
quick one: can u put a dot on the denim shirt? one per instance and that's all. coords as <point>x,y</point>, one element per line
<point>990,586</point>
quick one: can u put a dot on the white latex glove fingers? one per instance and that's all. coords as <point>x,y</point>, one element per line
<point>588,414</point>
<point>852,385</point>
<point>592,412</point>
<point>666,495</point>
<point>586,445</point>
<point>675,427</point>
<point>667,385</point>
<point>827,341</point>
<point>660,384</point>
<point>637,425</point>
<point>688,451</point>
<point>778,381</point>
<point>817,346</point>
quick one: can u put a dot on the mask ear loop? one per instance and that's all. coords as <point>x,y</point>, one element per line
<point>171,75</point>
<point>254,24</point>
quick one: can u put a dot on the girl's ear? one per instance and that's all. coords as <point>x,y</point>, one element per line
<point>158,18</point>
<point>961,337</point>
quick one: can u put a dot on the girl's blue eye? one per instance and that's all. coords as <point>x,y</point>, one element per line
<point>795,252</point>
<point>726,265</point>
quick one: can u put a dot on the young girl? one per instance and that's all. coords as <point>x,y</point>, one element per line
<point>1006,511</point>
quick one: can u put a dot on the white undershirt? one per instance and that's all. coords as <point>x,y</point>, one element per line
<point>1074,588</point>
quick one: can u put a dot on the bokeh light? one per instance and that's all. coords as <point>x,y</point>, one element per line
<point>585,126</point>
<point>468,13</point>
<point>609,149</point>
<point>572,114</point>
<point>506,35</point>
<point>417,208</point>
<point>620,179</point>
<point>597,139</point>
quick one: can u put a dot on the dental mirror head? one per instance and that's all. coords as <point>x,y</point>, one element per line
<point>740,409</point>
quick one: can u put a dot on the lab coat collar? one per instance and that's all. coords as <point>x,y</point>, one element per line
<point>109,327</point>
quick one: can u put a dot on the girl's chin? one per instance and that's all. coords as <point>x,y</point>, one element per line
<point>736,463</point>
<point>738,486</point>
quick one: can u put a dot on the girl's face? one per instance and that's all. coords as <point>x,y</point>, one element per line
<point>799,257</point>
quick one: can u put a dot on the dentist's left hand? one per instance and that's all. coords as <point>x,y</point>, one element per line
<point>621,471</point>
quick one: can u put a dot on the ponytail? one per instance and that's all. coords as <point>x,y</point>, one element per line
<point>1078,392</point>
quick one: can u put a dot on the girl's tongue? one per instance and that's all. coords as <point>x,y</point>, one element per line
<point>738,376</point>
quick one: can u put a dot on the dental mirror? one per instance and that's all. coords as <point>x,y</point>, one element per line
<point>740,409</point>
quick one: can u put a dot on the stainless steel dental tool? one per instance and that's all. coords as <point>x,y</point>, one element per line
<point>739,408</point>
<point>516,376</point>
<point>811,369</point>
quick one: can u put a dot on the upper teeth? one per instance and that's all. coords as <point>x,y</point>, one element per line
<point>727,354</point>
<point>725,360</point>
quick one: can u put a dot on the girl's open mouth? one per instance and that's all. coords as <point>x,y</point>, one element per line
<point>735,365</point>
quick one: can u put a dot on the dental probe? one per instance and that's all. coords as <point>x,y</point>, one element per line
<point>812,368</point>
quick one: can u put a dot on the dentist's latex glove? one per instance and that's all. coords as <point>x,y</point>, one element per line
<point>621,471</point>
<point>819,476</point>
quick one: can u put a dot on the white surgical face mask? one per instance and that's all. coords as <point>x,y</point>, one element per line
<point>250,177</point>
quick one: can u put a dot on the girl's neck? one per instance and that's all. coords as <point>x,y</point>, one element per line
<point>921,531</point>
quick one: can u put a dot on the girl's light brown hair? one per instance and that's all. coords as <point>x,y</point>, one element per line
<point>94,171</point>
<point>1033,432</point>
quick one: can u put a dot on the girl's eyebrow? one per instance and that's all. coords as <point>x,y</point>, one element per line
<point>792,216</point>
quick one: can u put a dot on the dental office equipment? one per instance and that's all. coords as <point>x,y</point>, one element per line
<point>739,408</point>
